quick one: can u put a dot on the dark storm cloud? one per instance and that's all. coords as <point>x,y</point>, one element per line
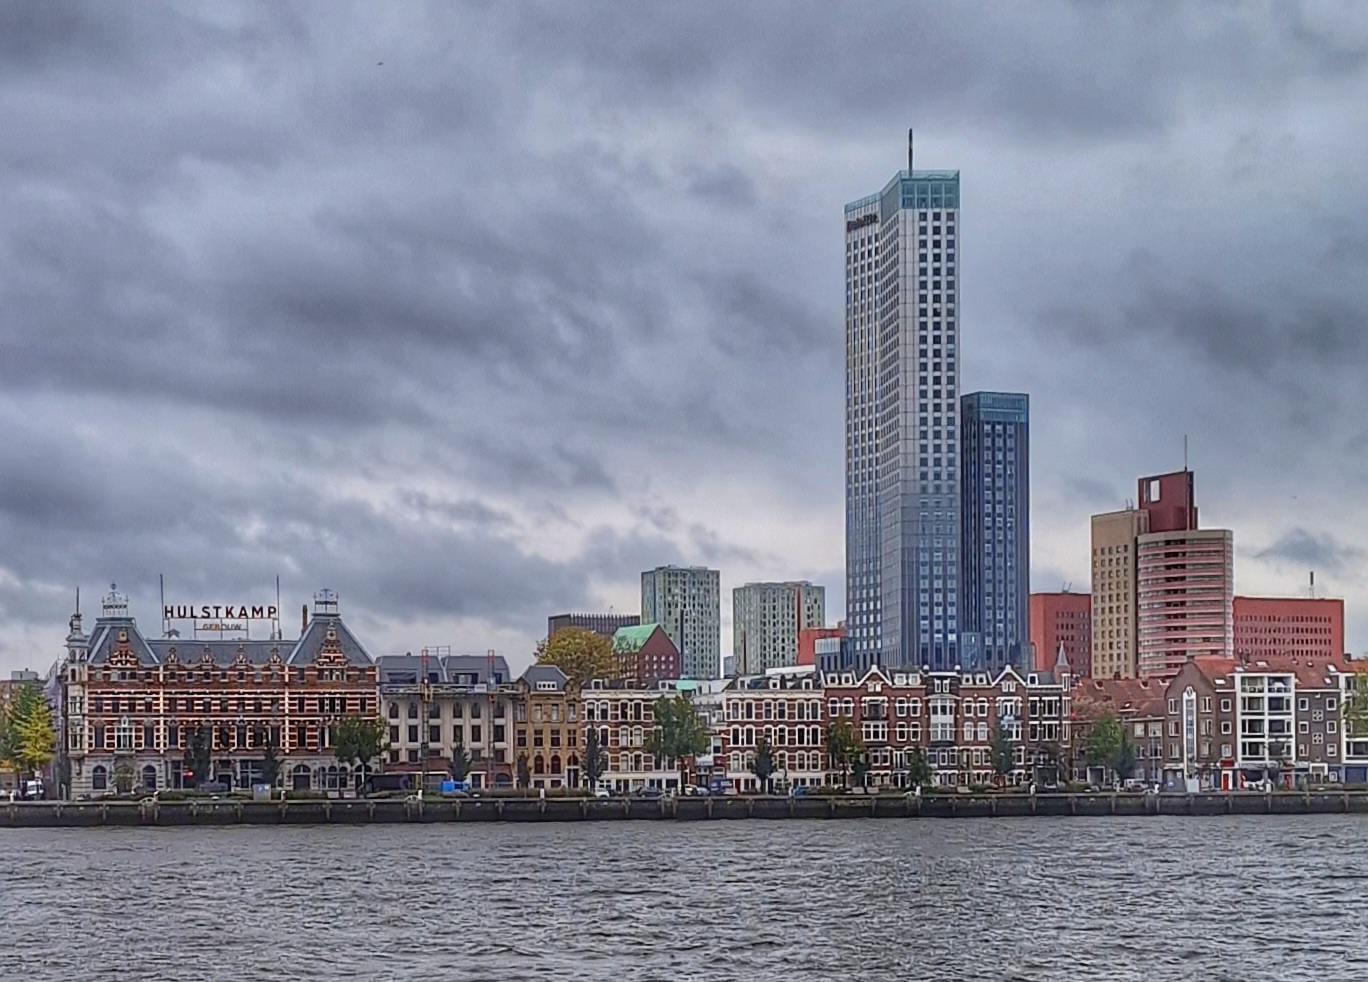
<point>1048,71</point>
<point>1320,551</point>
<point>1264,334</point>
<point>393,297</point>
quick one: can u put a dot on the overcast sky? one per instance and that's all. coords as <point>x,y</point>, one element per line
<point>472,312</point>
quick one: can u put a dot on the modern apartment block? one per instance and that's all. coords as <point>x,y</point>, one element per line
<point>1062,621</point>
<point>995,530</point>
<point>686,602</point>
<point>1162,588</point>
<point>1113,592</point>
<point>604,624</point>
<point>902,435</point>
<point>1301,626</point>
<point>1185,585</point>
<point>767,619</point>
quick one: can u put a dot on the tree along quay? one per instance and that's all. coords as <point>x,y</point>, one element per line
<point>360,811</point>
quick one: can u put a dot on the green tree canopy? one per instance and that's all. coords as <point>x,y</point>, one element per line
<point>1124,761</point>
<point>32,737</point>
<point>845,749</point>
<point>1104,741</point>
<point>1001,751</point>
<point>359,741</point>
<point>593,758</point>
<point>460,760</point>
<point>918,768</point>
<point>195,760</point>
<point>270,760</point>
<point>762,763</point>
<point>677,734</point>
<point>580,654</point>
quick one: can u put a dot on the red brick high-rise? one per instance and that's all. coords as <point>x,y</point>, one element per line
<point>1169,501</point>
<point>1270,627</point>
<point>1062,619</point>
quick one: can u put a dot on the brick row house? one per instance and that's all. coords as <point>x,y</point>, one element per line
<point>1139,706</point>
<point>783,707</point>
<point>1230,724</point>
<point>950,717</point>
<point>546,728</point>
<point>129,704</point>
<point>621,712</point>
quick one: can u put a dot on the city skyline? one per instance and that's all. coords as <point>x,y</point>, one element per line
<point>234,346</point>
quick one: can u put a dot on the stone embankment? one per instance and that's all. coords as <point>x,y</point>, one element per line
<point>225,811</point>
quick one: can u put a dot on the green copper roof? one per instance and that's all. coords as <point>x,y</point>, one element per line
<point>632,638</point>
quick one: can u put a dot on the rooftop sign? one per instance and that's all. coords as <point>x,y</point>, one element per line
<point>219,612</point>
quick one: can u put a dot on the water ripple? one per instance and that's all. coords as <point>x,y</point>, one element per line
<point>1051,899</point>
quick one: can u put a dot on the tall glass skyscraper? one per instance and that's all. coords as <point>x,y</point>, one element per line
<point>994,441</point>
<point>902,435</point>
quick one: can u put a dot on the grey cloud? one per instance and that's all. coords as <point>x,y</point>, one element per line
<point>267,305</point>
<point>1307,549</point>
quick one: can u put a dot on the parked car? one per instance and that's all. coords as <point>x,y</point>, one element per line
<point>602,793</point>
<point>798,791</point>
<point>650,793</point>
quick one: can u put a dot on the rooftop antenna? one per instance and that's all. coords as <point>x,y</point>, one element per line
<point>1185,452</point>
<point>161,590</point>
<point>909,150</point>
<point>1313,584</point>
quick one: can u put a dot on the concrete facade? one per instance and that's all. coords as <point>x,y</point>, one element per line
<point>1185,588</point>
<point>767,621</point>
<point>1113,592</point>
<point>434,704</point>
<point>686,602</point>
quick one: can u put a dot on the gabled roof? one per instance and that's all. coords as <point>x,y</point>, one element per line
<point>775,681</point>
<point>1125,697</point>
<point>444,669</point>
<point>627,640</point>
<point>1311,673</point>
<point>325,629</point>
<point>105,641</point>
<point>536,675</point>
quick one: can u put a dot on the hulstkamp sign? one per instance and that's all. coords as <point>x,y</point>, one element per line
<point>219,612</point>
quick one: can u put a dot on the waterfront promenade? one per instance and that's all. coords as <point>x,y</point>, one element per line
<point>436,810</point>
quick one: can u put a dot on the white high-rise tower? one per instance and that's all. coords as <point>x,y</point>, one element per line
<point>902,431</point>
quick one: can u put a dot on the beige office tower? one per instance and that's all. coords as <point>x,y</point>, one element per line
<point>1113,592</point>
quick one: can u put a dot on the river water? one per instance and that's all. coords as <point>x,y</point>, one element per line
<point>1278,898</point>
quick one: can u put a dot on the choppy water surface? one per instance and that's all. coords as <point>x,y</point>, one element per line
<point>1067,899</point>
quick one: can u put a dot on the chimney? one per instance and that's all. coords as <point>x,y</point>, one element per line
<point>303,617</point>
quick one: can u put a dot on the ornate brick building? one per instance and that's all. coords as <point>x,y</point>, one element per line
<point>131,703</point>
<point>784,707</point>
<point>950,717</point>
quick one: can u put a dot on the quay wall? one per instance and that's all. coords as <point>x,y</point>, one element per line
<point>225,811</point>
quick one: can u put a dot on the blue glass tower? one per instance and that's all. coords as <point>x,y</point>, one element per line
<point>902,435</point>
<point>995,444</point>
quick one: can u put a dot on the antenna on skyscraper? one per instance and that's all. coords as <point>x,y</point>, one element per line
<point>1313,584</point>
<point>1185,461</point>
<point>909,150</point>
